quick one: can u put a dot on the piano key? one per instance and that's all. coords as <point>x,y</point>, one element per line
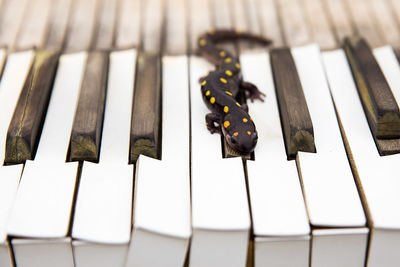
<point>252,12</point>
<point>56,252</point>
<point>280,222</point>
<point>104,35</point>
<point>385,21</point>
<point>128,24</point>
<point>146,110</point>
<point>58,21</point>
<point>12,14</point>
<point>295,117</point>
<point>269,19</point>
<point>360,12</point>
<point>329,189</point>
<point>339,18</point>
<point>161,221</point>
<point>103,211</point>
<point>220,211</point>
<point>25,126</point>
<point>293,23</point>
<point>380,107</point>
<point>175,43</point>
<point>319,27</point>
<point>240,21</point>
<point>152,27</point>
<point>34,26</point>
<point>15,72</point>
<point>200,20</point>
<point>376,176</point>
<point>223,18</point>
<point>81,26</point>
<point>49,177</point>
<point>88,121</point>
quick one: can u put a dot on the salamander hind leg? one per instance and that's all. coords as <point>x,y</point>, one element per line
<point>213,122</point>
<point>252,91</point>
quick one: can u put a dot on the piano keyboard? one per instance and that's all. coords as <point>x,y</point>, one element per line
<point>107,161</point>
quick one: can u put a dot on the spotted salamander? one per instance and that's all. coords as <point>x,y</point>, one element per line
<point>220,89</point>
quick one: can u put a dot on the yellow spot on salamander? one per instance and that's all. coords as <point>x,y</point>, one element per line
<point>228,72</point>
<point>223,80</point>
<point>211,30</point>
<point>228,60</point>
<point>226,109</point>
<point>238,104</point>
<point>237,65</point>
<point>228,93</point>
<point>212,100</point>
<point>248,132</point>
<point>235,134</point>
<point>202,42</point>
<point>222,54</point>
<point>203,82</point>
<point>238,31</point>
<point>226,124</point>
<point>245,120</point>
<point>208,93</point>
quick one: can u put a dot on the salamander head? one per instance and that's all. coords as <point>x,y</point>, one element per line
<point>240,133</point>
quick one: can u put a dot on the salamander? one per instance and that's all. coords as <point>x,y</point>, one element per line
<point>220,89</point>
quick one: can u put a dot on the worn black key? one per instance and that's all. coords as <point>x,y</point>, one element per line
<point>376,96</point>
<point>25,127</point>
<point>88,121</point>
<point>146,110</point>
<point>296,121</point>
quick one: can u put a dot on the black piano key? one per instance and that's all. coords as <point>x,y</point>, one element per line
<point>375,94</point>
<point>146,110</point>
<point>88,121</point>
<point>296,121</point>
<point>25,127</point>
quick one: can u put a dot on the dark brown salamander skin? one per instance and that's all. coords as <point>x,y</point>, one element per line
<point>220,88</point>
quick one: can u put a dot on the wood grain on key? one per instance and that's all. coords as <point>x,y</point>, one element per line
<point>378,101</point>
<point>88,121</point>
<point>25,127</point>
<point>146,110</point>
<point>296,121</point>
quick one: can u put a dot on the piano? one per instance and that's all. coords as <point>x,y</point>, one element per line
<point>106,159</point>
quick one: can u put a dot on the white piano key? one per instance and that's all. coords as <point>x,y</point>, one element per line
<point>377,176</point>
<point>352,253</point>
<point>176,31</point>
<point>12,15</point>
<point>280,222</point>
<point>35,24</point>
<point>95,254</point>
<point>220,211</point>
<point>37,253</point>
<point>58,24</point>
<point>128,26</point>
<point>329,188</point>
<point>162,189</point>
<point>103,210</point>
<point>45,195</point>
<point>81,25</point>
<point>18,65</point>
<point>105,29</point>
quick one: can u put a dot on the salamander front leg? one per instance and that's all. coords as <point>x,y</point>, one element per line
<point>213,121</point>
<point>252,91</point>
